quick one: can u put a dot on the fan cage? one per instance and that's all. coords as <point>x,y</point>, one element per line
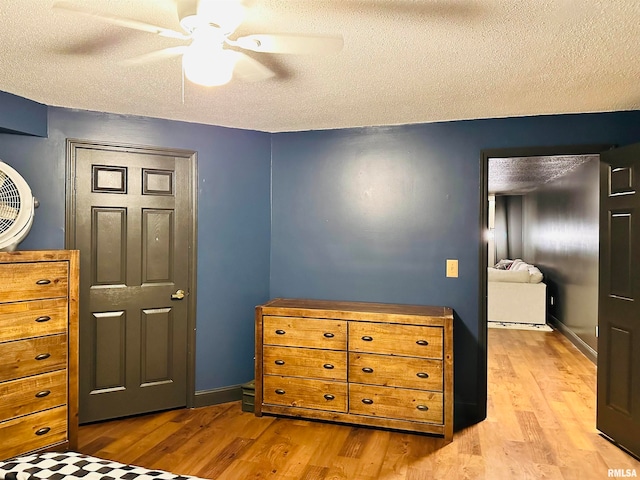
<point>9,202</point>
<point>16,208</point>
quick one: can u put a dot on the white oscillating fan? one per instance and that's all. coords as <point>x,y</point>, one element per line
<point>17,206</point>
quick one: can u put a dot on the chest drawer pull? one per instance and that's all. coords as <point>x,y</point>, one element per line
<point>43,356</point>
<point>43,318</point>
<point>329,397</point>
<point>280,391</point>
<point>422,408</point>
<point>367,370</point>
<point>328,366</point>
<point>42,431</point>
<point>424,343</point>
<point>422,375</point>
<point>280,332</point>
<point>367,401</point>
<point>43,281</point>
<point>329,335</point>
<point>43,393</point>
<point>279,362</point>
<point>367,338</point>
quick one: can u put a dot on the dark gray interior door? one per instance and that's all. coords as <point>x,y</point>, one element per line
<point>132,227</point>
<point>618,413</point>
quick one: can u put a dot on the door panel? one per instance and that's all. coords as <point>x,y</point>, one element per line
<point>157,346</point>
<point>109,251</point>
<point>618,413</point>
<point>132,225</point>
<point>157,246</point>
<point>107,361</point>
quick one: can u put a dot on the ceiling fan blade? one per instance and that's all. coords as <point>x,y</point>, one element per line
<point>283,43</point>
<point>251,70</point>
<point>155,55</point>
<point>121,21</point>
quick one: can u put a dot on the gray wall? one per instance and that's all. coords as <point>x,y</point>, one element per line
<point>509,227</point>
<point>561,237</point>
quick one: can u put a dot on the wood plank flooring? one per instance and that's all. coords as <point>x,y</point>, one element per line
<point>540,425</point>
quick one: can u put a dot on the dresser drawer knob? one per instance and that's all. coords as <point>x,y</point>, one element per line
<point>43,431</point>
<point>367,370</point>
<point>367,338</point>
<point>328,335</point>
<point>43,393</point>
<point>279,391</point>
<point>43,318</point>
<point>424,343</point>
<point>422,408</point>
<point>280,332</point>
<point>328,366</point>
<point>422,375</point>
<point>43,356</point>
<point>329,397</point>
<point>279,362</point>
<point>43,281</point>
<point>367,401</point>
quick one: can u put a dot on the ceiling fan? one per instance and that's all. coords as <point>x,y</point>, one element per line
<point>212,57</point>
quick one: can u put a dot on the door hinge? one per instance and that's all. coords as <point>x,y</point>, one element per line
<point>597,331</point>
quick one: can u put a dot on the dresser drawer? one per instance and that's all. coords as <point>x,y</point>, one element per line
<point>305,362</point>
<point>33,394</point>
<point>32,319</point>
<point>393,339</point>
<point>388,402</point>
<point>407,372</point>
<point>35,431</point>
<point>32,281</point>
<point>305,393</point>
<point>30,357</point>
<point>305,332</point>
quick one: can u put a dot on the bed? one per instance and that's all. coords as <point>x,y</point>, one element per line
<point>516,293</point>
<point>76,466</point>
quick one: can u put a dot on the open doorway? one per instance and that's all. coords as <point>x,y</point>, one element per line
<point>543,245</point>
<point>550,222</point>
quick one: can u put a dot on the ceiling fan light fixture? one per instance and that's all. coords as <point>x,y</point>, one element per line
<point>209,67</point>
<point>190,22</point>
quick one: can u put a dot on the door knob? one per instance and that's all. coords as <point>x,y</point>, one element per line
<point>179,295</point>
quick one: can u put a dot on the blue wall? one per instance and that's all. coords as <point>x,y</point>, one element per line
<point>372,214</point>
<point>22,116</point>
<point>233,219</point>
<point>361,214</point>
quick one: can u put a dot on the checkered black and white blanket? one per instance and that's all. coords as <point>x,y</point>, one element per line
<point>75,466</point>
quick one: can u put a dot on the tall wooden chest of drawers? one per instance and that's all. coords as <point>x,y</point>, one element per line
<point>374,364</point>
<point>38,351</point>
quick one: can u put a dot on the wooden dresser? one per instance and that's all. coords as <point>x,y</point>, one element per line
<point>374,364</point>
<point>38,351</point>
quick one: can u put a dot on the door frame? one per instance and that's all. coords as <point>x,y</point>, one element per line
<point>191,156</point>
<point>485,155</point>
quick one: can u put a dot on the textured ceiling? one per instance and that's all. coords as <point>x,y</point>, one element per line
<point>516,176</point>
<point>403,61</point>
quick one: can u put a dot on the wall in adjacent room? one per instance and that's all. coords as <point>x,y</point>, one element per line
<point>233,219</point>
<point>508,227</point>
<point>372,214</point>
<point>561,237</point>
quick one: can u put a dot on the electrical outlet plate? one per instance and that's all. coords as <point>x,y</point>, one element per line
<point>452,268</point>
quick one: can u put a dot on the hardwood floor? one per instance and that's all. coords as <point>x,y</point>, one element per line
<point>540,425</point>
